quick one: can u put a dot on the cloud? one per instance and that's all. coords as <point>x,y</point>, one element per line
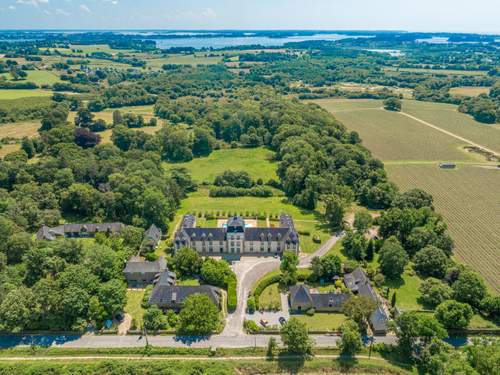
<point>35,3</point>
<point>62,12</point>
<point>85,8</point>
<point>209,13</point>
<point>12,7</point>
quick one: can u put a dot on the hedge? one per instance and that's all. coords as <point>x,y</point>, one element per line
<point>263,284</point>
<point>232,297</point>
<point>229,191</point>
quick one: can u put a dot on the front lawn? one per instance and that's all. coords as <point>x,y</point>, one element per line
<point>322,321</point>
<point>133,306</point>
<point>407,293</point>
<point>270,298</point>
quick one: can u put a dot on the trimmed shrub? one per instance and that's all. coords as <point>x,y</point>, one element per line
<point>250,326</point>
<point>232,298</point>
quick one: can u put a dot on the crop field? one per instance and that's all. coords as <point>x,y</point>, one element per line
<point>39,77</point>
<point>19,94</point>
<point>469,90</point>
<point>7,149</point>
<point>20,129</point>
<point>194,59</point>
<point>441,71</point>
<point>467,197</point>
<point>255,161</point>
<point>391,136</point>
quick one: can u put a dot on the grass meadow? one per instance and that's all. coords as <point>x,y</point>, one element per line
<point>449,72</point>
<point>469,90</point>
<point>194,59</point>
<point>19,94</point>
<point>39,77</point>
<point>467,197</point>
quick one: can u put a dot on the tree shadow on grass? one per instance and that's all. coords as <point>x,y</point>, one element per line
<point>290,363</point>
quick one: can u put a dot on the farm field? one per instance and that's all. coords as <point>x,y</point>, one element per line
<point>391,136</point>
<point>39,77</point>
<point>441,71</point>
<point>194,59</point>
<point>19,94</point>
<point>20,129</point>
<point>255,161</point>
<point>469,90</point>
<point>7,149</point>
<point>467,197</point>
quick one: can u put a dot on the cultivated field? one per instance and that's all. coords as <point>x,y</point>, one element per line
<point>467,197</point>
<point>19,94</point>
<point>469,90</point>
<point>194,59</point>
<point>20,129</point>
<point>441,71</point>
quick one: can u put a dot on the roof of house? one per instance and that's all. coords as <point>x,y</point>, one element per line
<point>204,234</point>
<point>236,221</point>
<point>299,294</point>
<point>266,234</point>
<point>138,265</point>
<point>326,300</point>
<point>167,278</point>
<point>165,295</point>
<point>188,221</point>
<point>153,232</point>
<point>46,233</point>
<point>379,320</point>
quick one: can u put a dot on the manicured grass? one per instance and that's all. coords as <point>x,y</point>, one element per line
<point>407,293</point>
<point>322,321</point>
<point>468,199</point>
<point>188,282</point>
<point>478,321</point>
<point>133,306</point>
<point>255,161</point>
<point>20,129</point>
<point>270,298</point>
<point>18,94</point>
<point>39,77</point>
<point>469,90</point>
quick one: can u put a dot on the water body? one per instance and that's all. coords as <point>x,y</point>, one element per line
<point>224,42</point>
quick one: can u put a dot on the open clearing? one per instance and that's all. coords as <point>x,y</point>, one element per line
<point>194,59</point>
<point>440,71</point>
<point>19,94</point>
<point>39,77</point>
<point>469,90</point>
<point>255,161</point>
<point>467,197</point>
<point>20,129</point>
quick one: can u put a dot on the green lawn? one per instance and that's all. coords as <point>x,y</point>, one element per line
<point>270,298</point>
<point>188,282</point>
<point>322,321</point>
<point>478,321</point>
<point>407,293</point>
<point>19,94</point>
<point>133,306</point>
<point>255,161</point>
<point>39,77</point>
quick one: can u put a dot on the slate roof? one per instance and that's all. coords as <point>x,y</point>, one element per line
<point>137,265</point>
<point>299,294</point>
<point>188,221</point>
<point>152,236</point>
<point>358,282</point>
<point>207,234</point>
<point>329,300</point>
<point>173,295</point>
<point>46,233</point>
<point>236,221</point>
<point>266,234</point>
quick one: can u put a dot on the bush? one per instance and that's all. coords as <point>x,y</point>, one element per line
<point>232,297</point>
<point>250,326</point>
<point>316,238</point>
<point>304,232</point>
<point>310,311</point>
<point>145,298</point>
<point>251,305</point>
<point>229,191</point>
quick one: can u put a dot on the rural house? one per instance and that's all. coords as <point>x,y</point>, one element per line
<point>358,283</point>
<point>78,230</point>
<point>141,273</point>
<point>152,238</point>
<point>302,299</point>
<point>235,237</point>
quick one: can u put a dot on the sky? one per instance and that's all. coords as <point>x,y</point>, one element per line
<point>415,15</point>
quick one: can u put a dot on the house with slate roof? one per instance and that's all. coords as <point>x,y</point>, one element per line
<point>358,283</point>
<point>78,230</point>
<point>152,238</point>
<point>237,238</point>
<point>141,273</point>
<point>302,299</point>
<point>167,296</point>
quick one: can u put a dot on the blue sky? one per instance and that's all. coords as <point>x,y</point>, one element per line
<point>415,15</point>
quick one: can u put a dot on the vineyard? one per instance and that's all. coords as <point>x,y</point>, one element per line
<point>467,196</point>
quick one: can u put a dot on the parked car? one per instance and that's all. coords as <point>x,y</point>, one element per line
<point>282,320</point>
<point>264,322</point>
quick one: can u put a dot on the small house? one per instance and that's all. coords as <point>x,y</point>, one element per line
<point>141,273</point>
<point>302,299</point>
<point>152,238</point>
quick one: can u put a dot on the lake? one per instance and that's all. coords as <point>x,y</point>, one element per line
<point>224,42</point>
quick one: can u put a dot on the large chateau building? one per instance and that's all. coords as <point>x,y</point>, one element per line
<point>235,237</point>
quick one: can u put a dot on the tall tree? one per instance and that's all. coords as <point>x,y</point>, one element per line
<point>295,337</point>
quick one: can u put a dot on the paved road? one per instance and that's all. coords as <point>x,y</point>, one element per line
<point>131,341</point>
<point>248,270</point>
<point>305,262</point>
